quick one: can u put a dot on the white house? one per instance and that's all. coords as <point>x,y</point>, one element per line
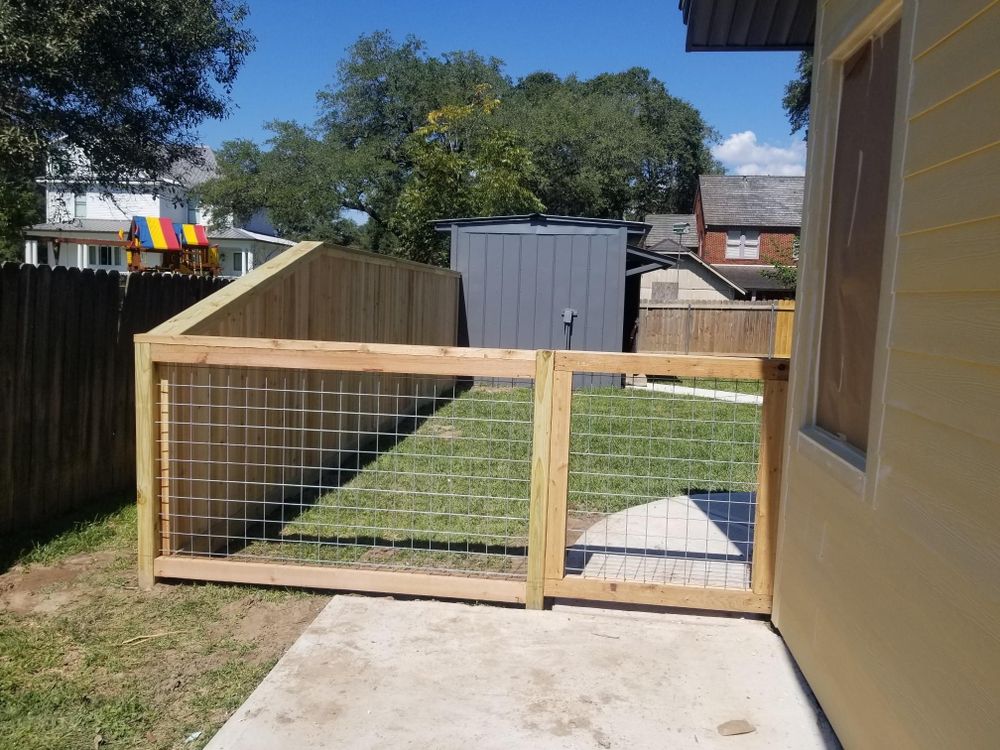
<point>80,229</point>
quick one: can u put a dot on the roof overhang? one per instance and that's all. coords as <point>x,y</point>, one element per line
<point>747,25</point>
<point>636,230</point>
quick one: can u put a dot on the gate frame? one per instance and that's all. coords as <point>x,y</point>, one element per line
<point>548,512</point>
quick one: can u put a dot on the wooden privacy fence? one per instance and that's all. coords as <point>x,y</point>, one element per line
<point>458,472</point>
<point>721,328</point>
<point>67,381</point>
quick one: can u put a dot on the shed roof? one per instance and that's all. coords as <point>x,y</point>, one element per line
<point>719,25</point>
<point>635,229</point>
<point>751,200</point>
<point>662,227</point>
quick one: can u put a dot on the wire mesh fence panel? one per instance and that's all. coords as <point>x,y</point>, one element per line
<point>368,470</point>
<point>662,481</point>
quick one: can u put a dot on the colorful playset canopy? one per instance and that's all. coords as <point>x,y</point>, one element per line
<point>159,234</point>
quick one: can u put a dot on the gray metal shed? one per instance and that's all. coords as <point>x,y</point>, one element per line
<point>548,282</point>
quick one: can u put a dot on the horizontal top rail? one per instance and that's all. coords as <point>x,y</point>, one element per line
<point>683,365</point>
<point>226,351</point>
<point>338,355</point>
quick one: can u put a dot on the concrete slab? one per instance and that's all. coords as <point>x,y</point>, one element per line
<point>375,672</point>
<point>703,539</point>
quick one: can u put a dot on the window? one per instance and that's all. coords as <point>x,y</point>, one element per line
<point>80,206</point>
<point>242,262</point>
<point>103,255</point>
<point>192,212</point>
<point>743,244</point>
<point>43,252</point>
<point>860,197</point>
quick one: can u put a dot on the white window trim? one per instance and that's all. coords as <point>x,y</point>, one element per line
<point>744,246</point>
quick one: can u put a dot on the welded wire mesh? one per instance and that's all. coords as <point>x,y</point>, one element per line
<point>662,481</point>
<point>405,472</point>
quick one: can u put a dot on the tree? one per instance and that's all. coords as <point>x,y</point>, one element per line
<point>116,85</point>
<point>615,146</point>
<point>797,93</point>
<point>452,178</point>
<point>785,274</point>
<point>355,156</point>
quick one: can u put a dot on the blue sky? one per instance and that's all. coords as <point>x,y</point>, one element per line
<point>300,41</point>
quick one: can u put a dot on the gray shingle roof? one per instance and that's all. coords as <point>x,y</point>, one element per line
<point>83,225</point>
<point>750,277</point>
<point>752,200</point>
<point>663,228</point>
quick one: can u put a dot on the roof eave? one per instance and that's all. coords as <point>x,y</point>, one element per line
<point>748,25</point>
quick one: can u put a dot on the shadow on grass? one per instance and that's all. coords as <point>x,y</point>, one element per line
<point>86,529</point>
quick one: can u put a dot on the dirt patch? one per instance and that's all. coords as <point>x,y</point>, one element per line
<point>270,626</point>
<point>40,589</point>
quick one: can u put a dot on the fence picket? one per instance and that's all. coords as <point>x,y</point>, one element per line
<point>67,378</point>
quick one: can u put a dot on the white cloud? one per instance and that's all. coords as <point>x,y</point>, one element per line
<point>742,154</point>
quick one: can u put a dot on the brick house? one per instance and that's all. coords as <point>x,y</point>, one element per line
<point>746,223</point>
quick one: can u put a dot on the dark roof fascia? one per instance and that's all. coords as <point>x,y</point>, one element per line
<point>749,25</point>
<point>633,227</point>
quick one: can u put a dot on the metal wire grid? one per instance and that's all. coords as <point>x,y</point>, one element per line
<point>368,470</point>
<point>662,481</point>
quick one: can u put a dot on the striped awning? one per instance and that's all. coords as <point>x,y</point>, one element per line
<point>192,235</point>
<point>153,233</point>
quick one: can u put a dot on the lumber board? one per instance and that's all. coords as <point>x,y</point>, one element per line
<point>658,595</point>
<point>341,579</point>
<point>682,365</point>
<point>333,355</point>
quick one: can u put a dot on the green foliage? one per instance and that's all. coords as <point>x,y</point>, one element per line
<point>617,145</point>
<point>797,93</point>
<point>22,202</point>
<point>121,83</point>
<point>785,274</point>
<point>464,164</point>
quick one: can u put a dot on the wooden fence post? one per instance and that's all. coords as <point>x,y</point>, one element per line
<point>772,436</point>
<point>147,501</point>
<point>540,461</point>
<point>558,495</point>
<point>784,327</point>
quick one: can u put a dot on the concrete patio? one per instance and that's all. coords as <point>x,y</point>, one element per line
<point>373,672</point>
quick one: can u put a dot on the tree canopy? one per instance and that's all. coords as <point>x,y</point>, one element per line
<point>615,146</point>
<point>121,83</point>
<point>797,93</point>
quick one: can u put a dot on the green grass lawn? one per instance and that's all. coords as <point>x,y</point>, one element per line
<point>454,494</point>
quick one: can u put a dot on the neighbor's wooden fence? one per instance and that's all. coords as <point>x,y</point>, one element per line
<point>67,413</point>
<point>762,329</point>
<point>552,373</point>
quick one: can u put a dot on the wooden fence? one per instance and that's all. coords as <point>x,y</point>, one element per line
<point>762,329</point>
<point>67,409</point>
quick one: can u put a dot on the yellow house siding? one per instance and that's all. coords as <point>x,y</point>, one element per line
<point>889,595</point>
<point>952,259</point>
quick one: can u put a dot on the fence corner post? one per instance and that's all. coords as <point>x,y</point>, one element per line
<point>540,451</point>
<point>772,438</point>
<point>146,390</point>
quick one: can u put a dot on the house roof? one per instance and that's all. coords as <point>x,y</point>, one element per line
<point>750,278</point>
<point>111,227</point>
<point>193,172</point>
<point>718,25</point>
<point>662,227</point>
<point>635,229</point>
<point>235,233</point>
<point>751,200</point>
<point>679,254</point>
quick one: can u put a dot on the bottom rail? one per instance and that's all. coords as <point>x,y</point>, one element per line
<point>660,595</point>
<point>343,579</point>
